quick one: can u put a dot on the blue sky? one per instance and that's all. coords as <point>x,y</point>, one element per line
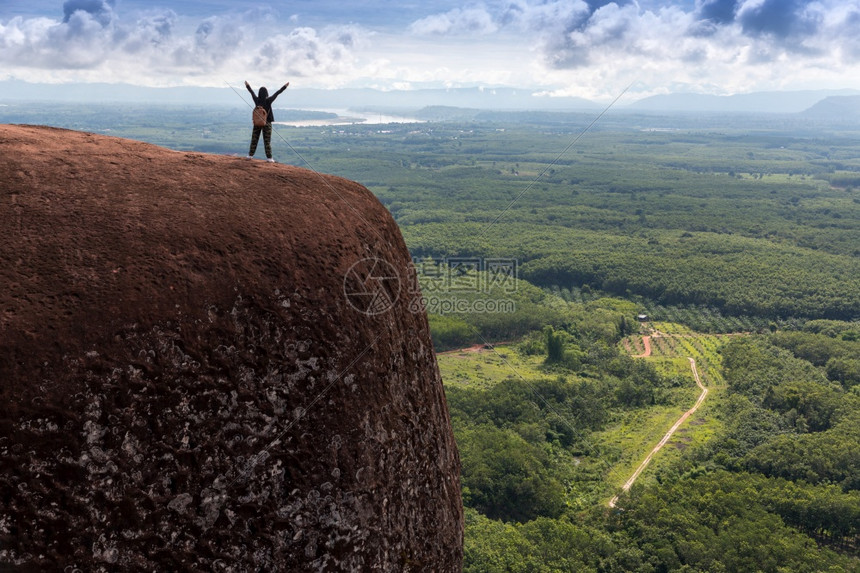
<point>587,48</point>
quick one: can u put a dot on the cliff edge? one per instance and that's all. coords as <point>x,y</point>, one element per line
<point>209,363</point>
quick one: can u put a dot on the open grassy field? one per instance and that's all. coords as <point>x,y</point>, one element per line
<point>483,368</point>
<point>630,434</point>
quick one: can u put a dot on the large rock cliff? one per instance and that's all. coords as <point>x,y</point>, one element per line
<point>209,363</point>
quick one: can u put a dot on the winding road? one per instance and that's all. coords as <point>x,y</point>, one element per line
<point>671,431</point>
<point>646,341</point>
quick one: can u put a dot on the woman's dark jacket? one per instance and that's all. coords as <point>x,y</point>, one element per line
<point>266,102</point>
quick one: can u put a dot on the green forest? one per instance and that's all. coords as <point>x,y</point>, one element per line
<point>740,247</point>
<point>641,254</point>
<point>765,478</point>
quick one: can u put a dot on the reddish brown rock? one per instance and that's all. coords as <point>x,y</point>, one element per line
<point>209,363</point>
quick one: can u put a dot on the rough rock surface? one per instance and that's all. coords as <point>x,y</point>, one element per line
<point>209,363</point>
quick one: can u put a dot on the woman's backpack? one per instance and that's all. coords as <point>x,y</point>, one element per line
<point>261,116</point>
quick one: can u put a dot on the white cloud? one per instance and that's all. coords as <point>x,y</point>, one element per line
<point>83,40</point>
<point>592,49</point>
<point>739,45</point>
<point>214,43</point>
<point>470,20</point>
<point>99,10</point>
<point>91,42</point>
<point>305,52</point>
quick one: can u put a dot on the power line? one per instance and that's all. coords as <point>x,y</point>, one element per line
<point>554,161</point>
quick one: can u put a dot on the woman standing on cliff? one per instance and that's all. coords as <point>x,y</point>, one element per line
<point>265,100</point>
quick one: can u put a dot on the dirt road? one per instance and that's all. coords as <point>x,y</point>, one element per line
<point>669,434</point>
<point>475,348</point>
<point>646,342</point>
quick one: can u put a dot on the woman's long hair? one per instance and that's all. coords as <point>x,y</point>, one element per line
<point>263,94</point>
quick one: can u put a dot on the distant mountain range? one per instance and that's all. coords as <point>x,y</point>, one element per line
<point>813,103</point>
<point>758,102</point>
<point>478,98</point>
<point>836,108</point>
